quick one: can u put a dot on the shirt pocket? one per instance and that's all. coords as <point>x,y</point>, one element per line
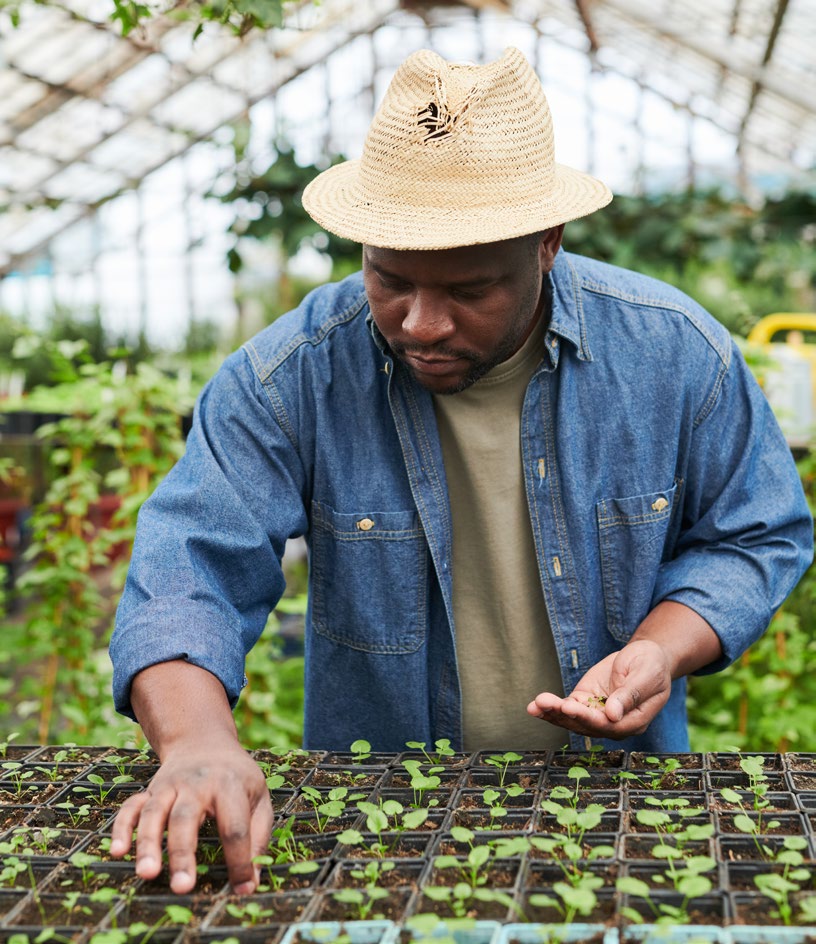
<point>632,533</point>
<point>369,586</point>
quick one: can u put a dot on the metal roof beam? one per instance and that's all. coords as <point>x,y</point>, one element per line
<point>738,65</point>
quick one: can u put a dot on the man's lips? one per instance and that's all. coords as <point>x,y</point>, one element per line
<point>431,365</point>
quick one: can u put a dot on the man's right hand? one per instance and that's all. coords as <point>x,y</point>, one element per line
<point>204,773</point>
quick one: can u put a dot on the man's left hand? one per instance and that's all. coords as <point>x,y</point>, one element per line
<point>616,698</point>
<point>622,694</point>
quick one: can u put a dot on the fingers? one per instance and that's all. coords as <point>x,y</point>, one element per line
<point>125,823</point>
<point>177,801</point>
<point>260,831</point>
<point>232,814</point>
<point>617,698</point>
<point>157,813</point>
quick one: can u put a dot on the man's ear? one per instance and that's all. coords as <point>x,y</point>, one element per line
<point>548,246</point>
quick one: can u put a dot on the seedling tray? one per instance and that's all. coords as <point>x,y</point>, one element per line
<point>507,837</point>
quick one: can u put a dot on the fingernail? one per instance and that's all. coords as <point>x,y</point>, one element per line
<point>245,888</point>
<point>146,862</point>
<point>116,846</point>
<point>181,878</point>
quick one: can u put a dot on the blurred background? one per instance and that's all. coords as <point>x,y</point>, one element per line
<point>151,164</point>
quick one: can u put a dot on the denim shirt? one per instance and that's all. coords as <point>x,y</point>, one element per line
<point>653,466</point>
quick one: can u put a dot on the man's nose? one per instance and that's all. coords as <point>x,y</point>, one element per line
<point>427,321</point>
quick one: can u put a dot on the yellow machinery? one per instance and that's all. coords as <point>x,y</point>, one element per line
<point>790,383</point>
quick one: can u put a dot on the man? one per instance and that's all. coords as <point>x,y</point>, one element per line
<point>520,473</point>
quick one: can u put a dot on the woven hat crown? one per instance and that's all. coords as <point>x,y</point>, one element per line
<point>457,154</point>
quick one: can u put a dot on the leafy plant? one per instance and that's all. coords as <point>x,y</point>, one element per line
<point>688,882</point>
<point>502,763</point>
<point>780,886</point>
<point>422,782</point>
<point>495,799</point>
<point>443,749</point>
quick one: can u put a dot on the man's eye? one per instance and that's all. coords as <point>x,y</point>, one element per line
<point>393,285</point>
<point>465,295</point>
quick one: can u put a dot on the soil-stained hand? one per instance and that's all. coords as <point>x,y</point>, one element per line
<point>216,780</point>
<point>617,698</point>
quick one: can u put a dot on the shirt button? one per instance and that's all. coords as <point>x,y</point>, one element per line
<point>365,524</point>
<point>554,342</point>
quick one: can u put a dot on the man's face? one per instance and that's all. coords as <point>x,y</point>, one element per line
<point>451,315</point>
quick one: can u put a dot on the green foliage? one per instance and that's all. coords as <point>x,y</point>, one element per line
<point>241,16</point>
<point>738,260</point>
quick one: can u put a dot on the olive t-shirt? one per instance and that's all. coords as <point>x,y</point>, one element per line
<point>504,645</point>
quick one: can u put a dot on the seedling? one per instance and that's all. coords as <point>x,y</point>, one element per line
<point>422,783</point>
<point>329,806</point>
<point>275,881</point>
<point>362,901</point>
<point>596,701</point>
<point>103,787</point>
<point>755,828</point>
<point>493,799</point>
<point>76,814</point>
<point>361,752</point>
<point>502,762</point>
<point>780,886</point>
<point>4,745</point>
<point>443,749</point>
<point>250,913</point>
<point>84,862</point>
<point>13,770</point>
<point>461,897</point>
<point>689,882</point>
<point>571,899</point>
<point>387,816</point>
<point>662,776</point>
<point>285,846</point>
<point>667,821</point>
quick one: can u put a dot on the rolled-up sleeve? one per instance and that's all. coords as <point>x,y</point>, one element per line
<point>747,535</point>
<point>206,567</point>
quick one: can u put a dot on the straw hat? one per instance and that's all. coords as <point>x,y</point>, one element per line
<point>458,154</point>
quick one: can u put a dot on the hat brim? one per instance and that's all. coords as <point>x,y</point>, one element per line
<point>333,199</point>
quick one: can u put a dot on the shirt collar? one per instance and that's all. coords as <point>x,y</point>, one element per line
<point>567,319</point>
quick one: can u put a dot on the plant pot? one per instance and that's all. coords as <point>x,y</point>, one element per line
<point>256,911</point>
<point>641,846</point>
<point>730,761</point>
<point>538,933</point>
<point>483,821</point>
<point>470,798</point>
<point>603,912</point>
<point>674,934</point>
<point>768,824</point>
<point>324,932</point>
<point>457,931</point>
<point>397,846</point>
<point>403,872</point>
<point>777,802</point>
<point>736,848</point>
<point>548,823</point>
<point>638,760</point>
<point>708,910</point>
<point>541,875</point>
<point>639,799</point>
<point>392,907</point>
<point>48,909</point>
<point>717,780</point>
<point>355,778</point>
<point>482,777</point>
<point>499,873</point>
<point>599,759</point>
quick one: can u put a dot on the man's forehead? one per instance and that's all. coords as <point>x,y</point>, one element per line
<point>484,258</point>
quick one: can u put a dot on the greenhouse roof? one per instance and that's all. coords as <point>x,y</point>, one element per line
<point>86,113</point>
